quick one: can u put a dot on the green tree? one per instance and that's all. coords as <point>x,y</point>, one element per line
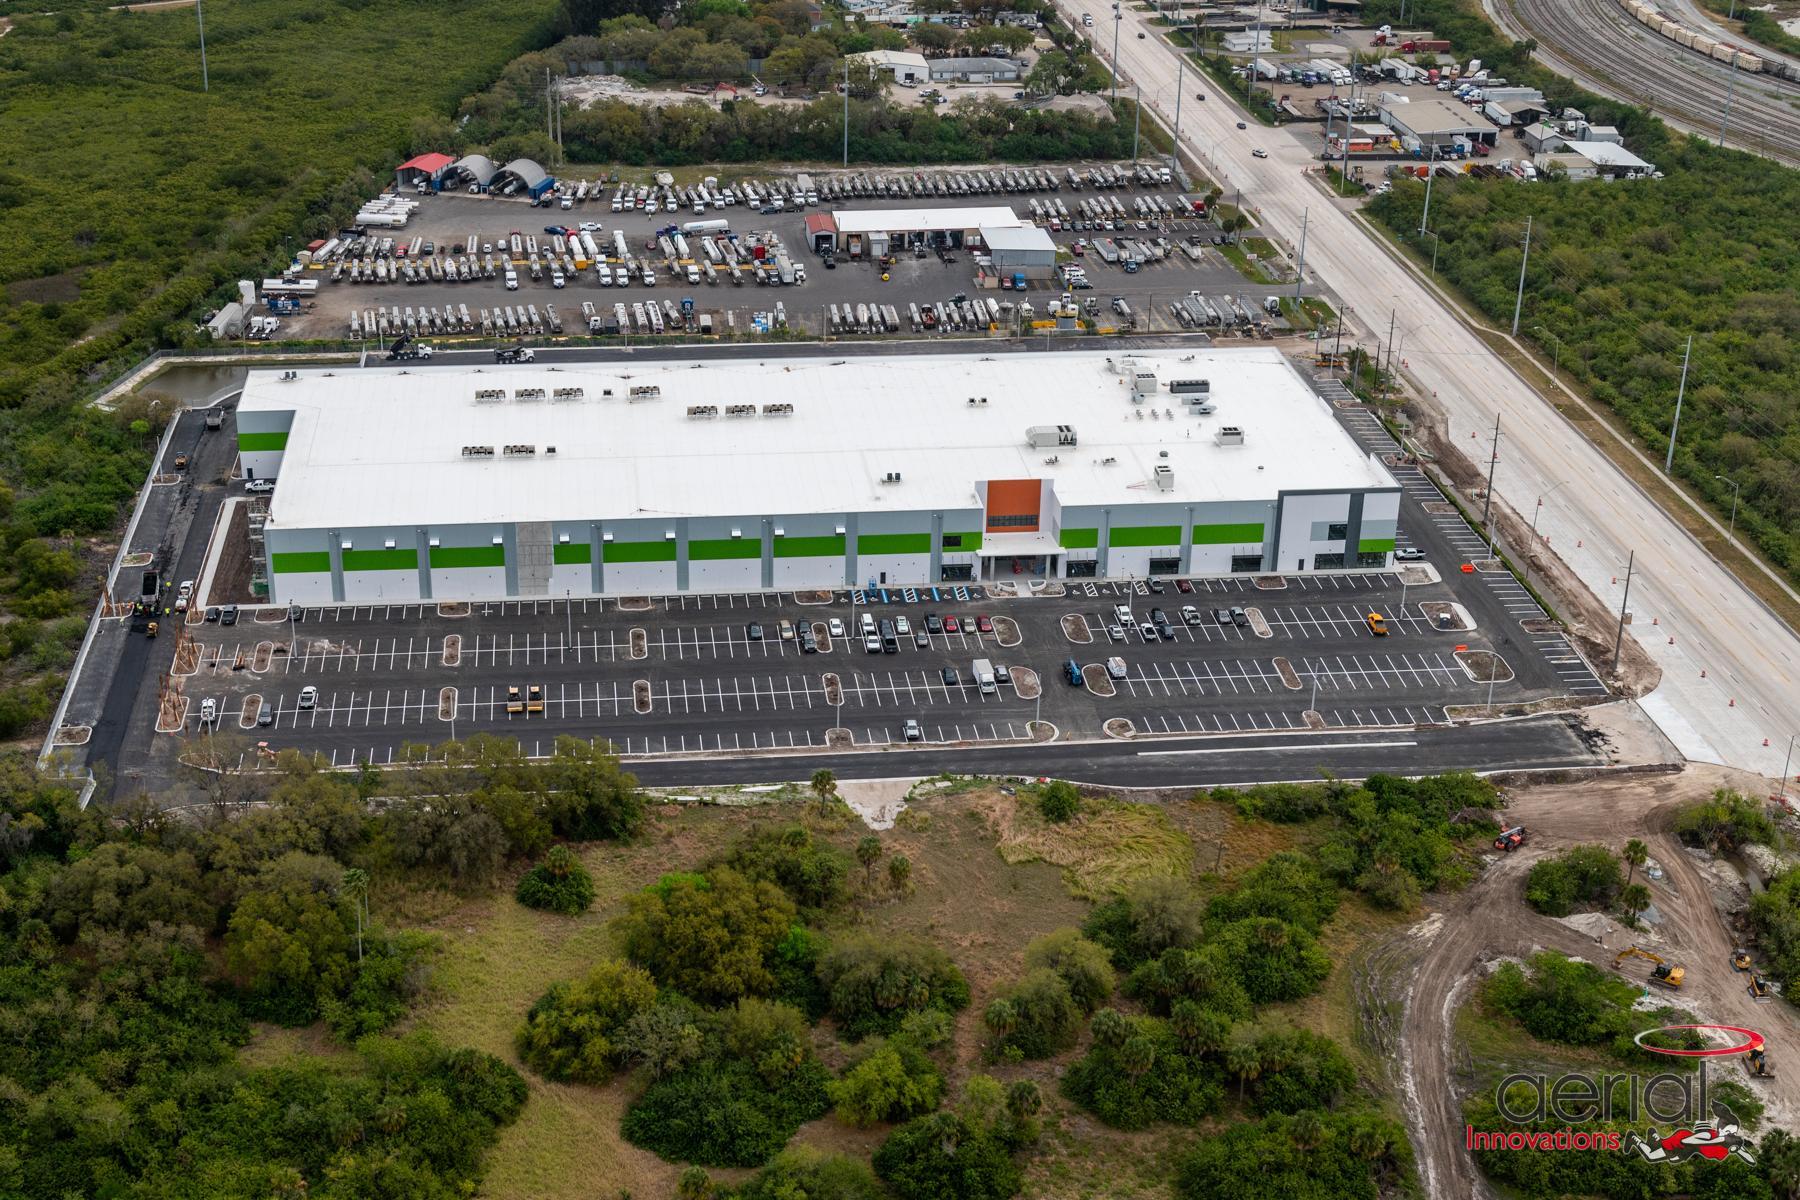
<point>1110,1027</point>
<point>868,853</point>
<point>1634,899</point>
<point>708,937</point>
<point>558,884</point>
<point>874,981</point>
<point>1058,801</point>
<point>289,939</point>
<point>943,1157</point>
<point>824,786</point>
<point>1582,875</point>
<point>1045,1017</point>
<point>803,1173</point>
<point>892,1081</point>
<point>662,1038</point>
<point>1083,965</point>
<point>356,891</point>
<point>900,874</point>
<point>1635,854</point>
<point>570,1032</point>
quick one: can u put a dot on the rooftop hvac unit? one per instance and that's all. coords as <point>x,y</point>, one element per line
<point>568,393</point>
<point>1165,478</point>
<point>977,401</point>
<point>740,410</point>
<point>1039,436</point>
<point>778,410</point>
<point>647,392</point>
<point>520,451</point>
<point>1144,382</point>
<point>700,411</point>
<point>529,394</point>
<point>891,477</point>
<point>1191,387</point>
<point>1229,435</point>
<point>490,395</point>
<point>478,452</point>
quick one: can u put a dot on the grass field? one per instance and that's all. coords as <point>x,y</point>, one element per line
<point>988,876</point>
<point>124,180</point>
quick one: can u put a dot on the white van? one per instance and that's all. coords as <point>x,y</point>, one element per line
<point>512,280</point>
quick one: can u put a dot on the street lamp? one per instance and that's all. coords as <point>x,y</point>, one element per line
<point>1555,349</point>
<point>1540,507</point>
<point>1117,16</point>
<point>1735,488</point>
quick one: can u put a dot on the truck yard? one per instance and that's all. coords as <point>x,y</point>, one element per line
<point>1133,250</point>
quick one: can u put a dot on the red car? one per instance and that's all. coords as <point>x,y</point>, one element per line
<point>984,624</point>
<point>951,626</point>
<point>1184,587</point>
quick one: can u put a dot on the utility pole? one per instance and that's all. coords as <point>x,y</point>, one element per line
<point>1344,164</point>
<point>1300,275</point>
<point>1392,315</point>
<point>1519,303</point>
<point>1137,122</point>
<point>1785,762</point>
<point>1487,502</point>
<point>200,17</point>
<point>1619,638</point>
<point>1680,393</point>
<point>1736,487</point>
<point>846,112</point>
<point>1425,217</point>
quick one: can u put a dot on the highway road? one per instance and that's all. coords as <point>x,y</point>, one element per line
<point>1597,44</point>
<point>1731,669</point>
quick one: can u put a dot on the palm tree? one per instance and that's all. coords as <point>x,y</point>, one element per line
<point>900,872</point>
<point>1635,855</point>
<point>1001,1018</point>
<point>1634,900</point>
<point>559,862</point>
<point>1780,1154</point>
<point>824,786</point>
<point>1137,1055</point>
<point>1244,1059</point>
<point>1110,1027</point>
<point>1308,1130</point>
<point>356,888</point>
<point>868,853</point>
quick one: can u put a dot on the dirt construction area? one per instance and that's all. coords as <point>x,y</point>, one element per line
<point>1413,985</point>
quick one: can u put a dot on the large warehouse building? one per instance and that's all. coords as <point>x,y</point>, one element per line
<point>658,477</point>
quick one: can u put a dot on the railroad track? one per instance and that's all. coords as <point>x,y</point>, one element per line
<point>1596,43</point>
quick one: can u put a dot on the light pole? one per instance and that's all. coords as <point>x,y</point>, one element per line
<point>1619,638</point>
<point>1436,241</point>
<point>1555,349</point>
<point>1313,704</point>
<point>1784,766</point>
<point>200,19</point>
<point>1735,488</point>
<point>1425,217</point>
<point>1540,507</point>
<point>1175,145</point>
<point>1117,16</point>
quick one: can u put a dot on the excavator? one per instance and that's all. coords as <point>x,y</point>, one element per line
<point>1665,973</point>
<point>1740,959</point>
<point>1757,1063</point>
<point>1759,988</point>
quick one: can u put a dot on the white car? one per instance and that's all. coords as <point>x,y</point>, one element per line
<point>309,696</point>
<point>836,626</point>
<point>902,626</point>
<point>1259,152</point>
<point>260,485</point>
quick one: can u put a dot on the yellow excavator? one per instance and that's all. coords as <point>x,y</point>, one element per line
<point>1665,973</point>
<point>1758,1063</point>
<point>1759,988</point>
<point>1740,959</point>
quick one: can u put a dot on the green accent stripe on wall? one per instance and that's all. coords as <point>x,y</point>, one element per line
<point>448,557</point>
<point>828,546</point>
<point>1376,545</point>
<point>638,552</point>
<point>969,542</point>
<point>300,562</point>
<point>568,553</point>
<point>1146,535</point>
<point>1081,539</point>
<point>706,549</point>
<point>262,441</point>
<point>893,543</point>
<point>1229,535</point>
<point>381,560</point>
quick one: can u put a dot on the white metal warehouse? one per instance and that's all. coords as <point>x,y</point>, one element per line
<point>655,477</point>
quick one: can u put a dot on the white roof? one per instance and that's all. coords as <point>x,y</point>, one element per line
<point>1607,154</point>
<point>923,220</point>
<point>1435,115</point>
<point>1024,237</point>
<point>893,58</point>
<point>382,446</point>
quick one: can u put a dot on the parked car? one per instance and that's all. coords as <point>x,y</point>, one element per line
<point>933,623</point>
<point>835,626</point>
<point>255,486</point>
<point>309,696</point>
<point>1115,667</point>
<point>949,676</point>
<point>913,732</point>
<point>1190,614</point>
<point>1240,618</point>
<point>951,625</point>
<point>754,632</point>
<point>1409,554</point>
<point>984,624</point>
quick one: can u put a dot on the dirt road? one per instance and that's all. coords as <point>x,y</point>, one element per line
<point>1418,981</point>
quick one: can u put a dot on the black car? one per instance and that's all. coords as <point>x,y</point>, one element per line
<point>808,643</point>
<point>950,679</point>
<point>754,632</point>
<point>1159,617</point>
<point>212,614</point>
<point>933,623</point>
<point>228,615</point>
<point>1239,618</point>
<point>1222,615</point>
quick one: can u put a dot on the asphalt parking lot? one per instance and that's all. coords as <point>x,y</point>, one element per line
<point>451,217</point>
<point>687,674</point>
